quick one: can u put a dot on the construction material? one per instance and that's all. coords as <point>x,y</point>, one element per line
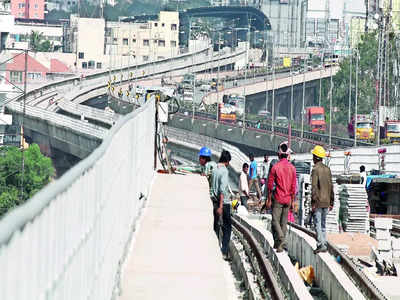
<point>353,207</point>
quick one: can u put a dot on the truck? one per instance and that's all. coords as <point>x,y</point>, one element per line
<point>364,128</point>
<point>315,116</point>
<point>226,113</point>
<point>392,131</point>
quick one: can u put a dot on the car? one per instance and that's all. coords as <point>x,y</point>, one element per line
<point>282,121</point>
<point>264,113</point>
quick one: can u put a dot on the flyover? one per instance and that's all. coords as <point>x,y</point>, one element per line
<point>248,15</point>
<point>78,137</point>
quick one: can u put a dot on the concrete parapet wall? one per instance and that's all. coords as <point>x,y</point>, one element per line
<point>329,275</point>
<point>229,133</point>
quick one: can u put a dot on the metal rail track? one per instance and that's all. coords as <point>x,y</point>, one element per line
<point>265,266</point>
<point>365,285</point>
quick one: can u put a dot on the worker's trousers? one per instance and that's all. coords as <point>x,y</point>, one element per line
<point>320,225</point>
<point>256,183</point>
<point>223,222</point>
<point>279,221</point>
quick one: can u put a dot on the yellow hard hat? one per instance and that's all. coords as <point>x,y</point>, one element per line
<point>235,204</point>
<point>319,151</point>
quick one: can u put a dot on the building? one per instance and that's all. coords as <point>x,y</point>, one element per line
<point>98,44</point>
<point>39,69</point>
<point>28,9</point>
<point>6,27</point>
<point>144,41</point>
<point>52,31</point>
<point>87,42</point>
<point>328,23</point>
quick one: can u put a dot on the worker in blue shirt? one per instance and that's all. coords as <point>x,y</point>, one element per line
<point>253,178</point>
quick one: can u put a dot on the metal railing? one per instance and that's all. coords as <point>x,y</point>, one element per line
<point>69,240</point>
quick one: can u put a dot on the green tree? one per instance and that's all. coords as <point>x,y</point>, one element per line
<point>37,44</point>
<point>38,172</point>
<point>367,78</point>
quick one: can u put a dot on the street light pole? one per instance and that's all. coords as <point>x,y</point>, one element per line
<point>219,56</point>
<point>330,109</point>
<point>291,98</point>
<point>273,91</point>
<point>351,69</point>
<point>356,103</point>
<point>303,99</point>
<point>245,76</point>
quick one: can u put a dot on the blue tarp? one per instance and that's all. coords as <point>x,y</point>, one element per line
<point>370,177</point>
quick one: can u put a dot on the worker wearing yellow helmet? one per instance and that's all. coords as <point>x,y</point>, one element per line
<point>322,196</point>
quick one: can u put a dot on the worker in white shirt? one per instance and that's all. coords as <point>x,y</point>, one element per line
<point>244,185</point>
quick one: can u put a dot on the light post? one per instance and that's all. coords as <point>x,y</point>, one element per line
<point>266,77</point>
<point>291,97</point>
<point>356,103</point>
<point>320,79</point>
<point>303,98</point>
<point>219,57</point>
<point>330,109</point>
<point>273,91</point>
<point>351,67</point>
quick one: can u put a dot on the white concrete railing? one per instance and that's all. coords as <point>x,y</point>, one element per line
<point>68,241</point>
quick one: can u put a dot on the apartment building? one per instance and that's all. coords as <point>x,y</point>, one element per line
<point>52,31</point>
<point>28,9</point>
<point>144,41</point>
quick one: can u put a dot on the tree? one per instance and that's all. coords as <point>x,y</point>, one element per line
<point>367,79</point>
<point>38,172</point>
<point>37,44</point>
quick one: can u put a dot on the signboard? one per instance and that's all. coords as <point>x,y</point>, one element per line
<point>10,135</point>
<point>287,62</point>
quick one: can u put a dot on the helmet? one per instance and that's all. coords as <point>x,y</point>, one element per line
<point>205,151</point>
<point>319,151</point>
<point>235,203</point>
<point>287,149</point>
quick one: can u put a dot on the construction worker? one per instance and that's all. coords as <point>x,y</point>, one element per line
<point>253,179</point>
<point>221,201</point>
<point>207,165</point>
<point>283,177</point>
<point>322,196</point>
<point>244,185</point>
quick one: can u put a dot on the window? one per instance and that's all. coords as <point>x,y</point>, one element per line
<point>34,76</point>
<point>36,6</point>
<point>161,43</point>
<point>133,40</point>
<point>15,76</point>
<point>84,65</point>
<point>98,65</point>
<point>146,43</point>
<point>173,26</point>
<point>145,58</point>
<point>36,15</point>
<point>21,5</point>
<point>81,55</point>
<point>115,40</point>
<point>125,42</point>
<point>173,44</point>
<point>163,24</point>
<point>155,24</point>
<point>91,64</point>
